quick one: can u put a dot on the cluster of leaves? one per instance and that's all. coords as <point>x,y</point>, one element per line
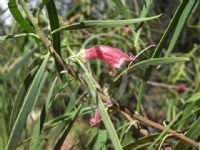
<point>42,106</point>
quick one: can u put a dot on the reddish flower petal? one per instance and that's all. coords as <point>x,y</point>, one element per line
<point>95,121</point>
<point>180,87</point>
<point>127,30</point>
<point>112,56</point>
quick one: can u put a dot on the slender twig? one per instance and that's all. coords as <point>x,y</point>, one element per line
<point>159,127</point>
<point>159,84</point>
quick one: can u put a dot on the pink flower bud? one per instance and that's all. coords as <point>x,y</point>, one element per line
<point>127,30</point>
<point>180,88</point>
<point>95,121</point>
<point>115,58</point>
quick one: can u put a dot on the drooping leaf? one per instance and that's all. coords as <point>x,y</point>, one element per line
<point>20,96</point>
<point>153,62</point>
<point>102,24</point>
<point>40,123</point>
<point>29,100</point>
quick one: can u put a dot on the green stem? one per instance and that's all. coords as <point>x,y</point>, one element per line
<point>145,10</point>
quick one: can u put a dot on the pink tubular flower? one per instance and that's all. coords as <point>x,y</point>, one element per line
<point>115,58</point>
<point>95,121</point>
<point>127,30</point>
<point>180,87</point>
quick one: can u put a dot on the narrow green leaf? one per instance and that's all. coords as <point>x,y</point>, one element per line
<point>18,65</point>
<point>188,116</point>
<point>101,140</point>
<point>185,112</point>
<point>194,98</point>
<point>141,143</point>
<point>47,104</point>
<point>67,116</point>
<point>197,72</point>
<point>10,36</point>
<point>153,62</point>
<point>125,12</point>
<point>67,129</point>
<point>121,8</point>
<point>102,24</point>
<point>192,133</point>
<point>12,5</point>
<point>1,143</point>
<point>145,10</point>
<point>72,97</point>
<point>91,87</point>
<point>35,137</point>
<point>190,104</point>
<point>93,136</point>
<point>39,125</point>
<point>26,107</point>
<point>54,24</point>
<point>20,96</point>
<point>109,126</point>
<point>184,17</point>
<point>140,95</point>
<point>170,28</point>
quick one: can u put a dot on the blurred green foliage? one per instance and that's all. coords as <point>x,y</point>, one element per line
<point>39,108</point>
